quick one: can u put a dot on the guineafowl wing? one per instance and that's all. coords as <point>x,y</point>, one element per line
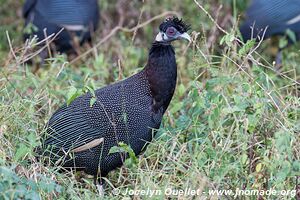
<point>122,113</point>
<point>68,129</point>
<point>69,133</point>
<point>274,14</point>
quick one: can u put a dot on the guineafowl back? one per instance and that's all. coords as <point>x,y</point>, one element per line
<point>122,113</point>
<point>67,12</point>
<point>78,18</point>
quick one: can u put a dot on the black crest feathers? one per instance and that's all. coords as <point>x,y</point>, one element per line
<point>180,25</point>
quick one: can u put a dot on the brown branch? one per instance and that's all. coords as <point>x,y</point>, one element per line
<point>10,47</point>
<point>124,29</point>
<point>52,36</point>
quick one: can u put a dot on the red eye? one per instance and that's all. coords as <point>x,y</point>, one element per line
<point>171,31</point>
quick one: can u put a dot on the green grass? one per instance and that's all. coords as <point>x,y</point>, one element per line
<point>233,121</point>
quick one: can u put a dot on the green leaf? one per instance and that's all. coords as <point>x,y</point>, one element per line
<point>32,139</point>
<point>244,159</point>
<point>228,39</point>
<point>91,90</point>
<point>258,167</point>
<point>33,195</point>
<point>124,148</point>
<point>246,48</point>
<point>181,90</point>
<point>176,107</point>
<point>116,149</point>
<point>93,101</point>
<point>283,173</point>
<point>30,28</point>
<point>73,93</point>
<point>282,141</point>
<point>296,166</point>
<point>283,42</point>
<point>291,35</point>
<point>222,40</point>
<point>253,120</point>
<point>22,150</point>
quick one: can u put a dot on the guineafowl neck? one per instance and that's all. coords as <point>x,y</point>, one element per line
<point>161,71</point>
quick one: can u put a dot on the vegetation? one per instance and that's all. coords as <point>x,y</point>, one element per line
<point>233,122</point>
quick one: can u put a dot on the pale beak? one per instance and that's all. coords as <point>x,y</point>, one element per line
<point>185,36</point>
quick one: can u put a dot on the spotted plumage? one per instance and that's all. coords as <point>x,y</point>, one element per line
<point>271,17</point>
<point>80,135</point>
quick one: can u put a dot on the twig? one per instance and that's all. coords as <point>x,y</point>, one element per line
<point>12,85</point>
<point>47,43</point>
<point>241,42</point>
<point>139,20</point>
<point>52,36</point>
<point>10,47</point>
<point>213,33</point>
<point>211,18</point>
<point>268,93</point>
<point>119,28</point>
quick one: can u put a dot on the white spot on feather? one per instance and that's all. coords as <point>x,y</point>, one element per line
<point>74,27</point>
<point>293,20</point>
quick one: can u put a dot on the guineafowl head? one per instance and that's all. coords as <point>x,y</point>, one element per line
<point>172,29</point>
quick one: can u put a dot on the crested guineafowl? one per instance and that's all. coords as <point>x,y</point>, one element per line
<point>78,18</point>
<point>276,16</point>
<point>266,18</point>
<point>80,135</point>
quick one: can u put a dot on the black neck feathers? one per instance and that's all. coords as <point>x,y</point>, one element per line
<point>161,72</point>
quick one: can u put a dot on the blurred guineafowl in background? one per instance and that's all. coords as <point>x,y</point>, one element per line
<point>275,15</point>
<point>266,18</point>
<point>78,18</point>
<point>81,134</point>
